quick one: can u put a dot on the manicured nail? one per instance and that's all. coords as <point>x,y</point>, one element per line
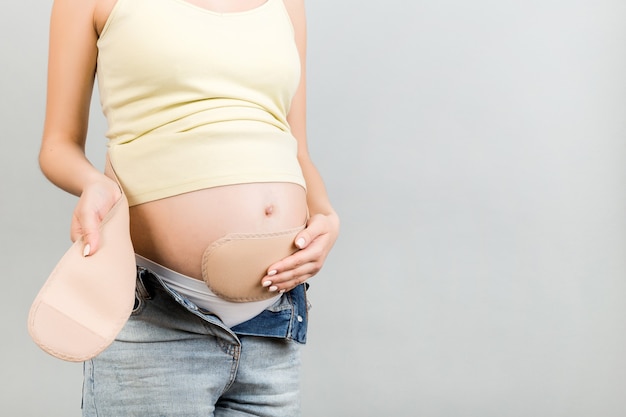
<point>281,291</point>
<point>272,272</point>
<point>273,288</point>
<point>86,249</point>
<point>267,283</point>
<point>300,243</point>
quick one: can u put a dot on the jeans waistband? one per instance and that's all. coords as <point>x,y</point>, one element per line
<point>196,291</point>
<point>286,319</point>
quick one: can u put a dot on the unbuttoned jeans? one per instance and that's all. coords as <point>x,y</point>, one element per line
<point>173,359</point>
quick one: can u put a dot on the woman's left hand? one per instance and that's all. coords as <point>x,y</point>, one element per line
<point>314,242</point>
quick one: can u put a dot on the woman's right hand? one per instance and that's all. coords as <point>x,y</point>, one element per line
<point>95,202</point>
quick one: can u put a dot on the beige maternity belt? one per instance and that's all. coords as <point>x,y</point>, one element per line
<point>234,265</point>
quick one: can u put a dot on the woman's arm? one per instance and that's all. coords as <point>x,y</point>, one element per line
<point>317,239</point>
<point>71,72</point>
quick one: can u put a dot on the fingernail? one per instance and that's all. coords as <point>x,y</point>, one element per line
<point>300,243</point>
<point>267,283</point>
<point>282,291</point>
<point>273,288</point>
<point>86,249</point>
<point>272,272</point>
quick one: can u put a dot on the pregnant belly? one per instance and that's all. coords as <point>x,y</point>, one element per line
<point>176,231</point>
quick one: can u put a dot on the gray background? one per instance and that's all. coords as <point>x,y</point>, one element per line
<point>475,151</point>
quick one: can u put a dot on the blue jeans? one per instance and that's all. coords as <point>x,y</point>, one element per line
<point>173,359</point>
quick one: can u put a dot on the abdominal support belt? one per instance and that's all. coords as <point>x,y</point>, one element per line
<point>234,265</point>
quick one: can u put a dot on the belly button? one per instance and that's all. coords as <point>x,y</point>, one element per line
<point>269,210</point>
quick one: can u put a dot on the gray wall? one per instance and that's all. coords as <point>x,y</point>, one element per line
<point>475,151</point>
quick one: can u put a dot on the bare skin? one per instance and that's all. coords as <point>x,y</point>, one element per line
<point>175,231</point>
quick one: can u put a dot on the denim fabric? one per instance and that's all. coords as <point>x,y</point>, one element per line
<point>286,319</point>
<point>174,360</point>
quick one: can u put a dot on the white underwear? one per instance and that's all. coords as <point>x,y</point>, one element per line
<point>196,291</point>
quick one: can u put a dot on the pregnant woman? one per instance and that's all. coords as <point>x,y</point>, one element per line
<point>205,105</point>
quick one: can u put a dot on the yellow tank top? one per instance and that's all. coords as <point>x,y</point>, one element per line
<point>197,99</point>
